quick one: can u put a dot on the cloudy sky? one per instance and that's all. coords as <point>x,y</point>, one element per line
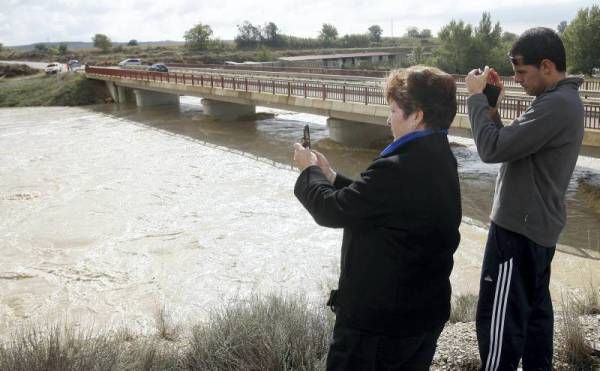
<point>31,21</point>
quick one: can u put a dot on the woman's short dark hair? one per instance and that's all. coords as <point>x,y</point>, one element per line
<point>428,89</point>
<point>537,44</point>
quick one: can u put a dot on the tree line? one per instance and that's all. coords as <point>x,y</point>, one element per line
<point>458,48</point>
<point>461,46</point>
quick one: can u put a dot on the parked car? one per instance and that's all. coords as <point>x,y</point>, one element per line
<point>158,67</point>
<point>53,68</point>
<point>130,62</point>
<point>73,64</point>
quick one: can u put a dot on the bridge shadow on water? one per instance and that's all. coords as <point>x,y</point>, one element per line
<point>269,137</point>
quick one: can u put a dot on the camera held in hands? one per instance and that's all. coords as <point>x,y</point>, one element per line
<point>491,90</point>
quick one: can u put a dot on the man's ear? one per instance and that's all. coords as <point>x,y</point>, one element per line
<point>547,66</point>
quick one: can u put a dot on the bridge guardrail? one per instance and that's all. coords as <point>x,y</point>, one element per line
<point>591,84</point>
<point>510,108</point>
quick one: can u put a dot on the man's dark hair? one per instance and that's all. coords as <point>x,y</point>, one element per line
<point>537,44</point>
<point>428,89</point>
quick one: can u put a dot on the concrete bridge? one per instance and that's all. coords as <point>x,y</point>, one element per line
<point>357,112</point>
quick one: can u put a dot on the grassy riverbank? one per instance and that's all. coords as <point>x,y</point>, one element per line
<point>65,89</point>
<point>271,333</point>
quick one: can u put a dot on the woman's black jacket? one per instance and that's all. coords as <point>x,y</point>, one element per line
<point>400,223</point>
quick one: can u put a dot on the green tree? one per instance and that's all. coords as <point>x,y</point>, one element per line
<point>562,26</point>
<point>508,37</point>
<point>197,37</point>
<point>249,35</point>
<point>271,35</point>
<point>40,47</point>
<point>216,45</point>
<point>328,34</point>
<point>375,32</point>
<point>425,33</point>
<point>582,38</point>
<point>412,32</point>
<point>456,47</point>
<point>416,55</point>
<point>133,42</point>
<point>355,41</point>
<point>487,42</point>
<point>62,48</point>
<point>102,41</point>
<point>464,47</point>
<point>264,54</point>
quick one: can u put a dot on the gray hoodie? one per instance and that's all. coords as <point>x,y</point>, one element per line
<point>538,151</point>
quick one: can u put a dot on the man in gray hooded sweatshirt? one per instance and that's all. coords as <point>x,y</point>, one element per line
<point>538,152</point>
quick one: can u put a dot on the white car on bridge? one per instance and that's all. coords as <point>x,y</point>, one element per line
<point>53,68</point>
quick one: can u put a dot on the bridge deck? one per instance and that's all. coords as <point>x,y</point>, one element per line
<point>357,93</point>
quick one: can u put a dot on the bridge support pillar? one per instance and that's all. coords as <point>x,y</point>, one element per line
<point>146,98</point>
<point>358,134</point>
<point>124,95</point>
<point>226,110</point>
<point>112,90</point>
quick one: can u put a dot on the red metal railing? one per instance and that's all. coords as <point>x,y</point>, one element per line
<point>510,108</point>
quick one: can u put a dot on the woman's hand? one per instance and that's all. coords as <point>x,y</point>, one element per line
<point>303,157</point>
<point>323,164</point>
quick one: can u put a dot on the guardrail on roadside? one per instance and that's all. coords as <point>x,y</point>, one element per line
<point>510,108</point>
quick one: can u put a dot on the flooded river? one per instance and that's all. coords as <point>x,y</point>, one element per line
<point>108,212</point>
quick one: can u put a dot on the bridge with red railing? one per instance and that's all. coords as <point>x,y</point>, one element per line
<point>202,83</point>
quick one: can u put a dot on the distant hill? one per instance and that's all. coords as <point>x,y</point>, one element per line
<point>73,45</point>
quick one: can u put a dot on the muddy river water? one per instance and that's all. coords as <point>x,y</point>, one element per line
<point>108,213</point>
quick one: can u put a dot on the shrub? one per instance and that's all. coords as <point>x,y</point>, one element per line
<point>463,308</point>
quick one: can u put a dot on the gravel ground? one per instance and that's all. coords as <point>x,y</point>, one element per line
<point>457,346</point>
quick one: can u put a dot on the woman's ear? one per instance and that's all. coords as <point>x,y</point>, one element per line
<point>419,115</point>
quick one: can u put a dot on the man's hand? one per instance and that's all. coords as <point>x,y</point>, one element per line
<point>476,80</point>
<point>303,157</point>
<point>494,79</point>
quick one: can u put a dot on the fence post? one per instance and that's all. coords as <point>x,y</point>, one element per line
<point>175,77</point>
<point>212,85</point>
<point>289,88</point>
<point>233,82</point>
<point>192,76</point>
<point>344,93</point>
<point>324,93</point>
<point>201,80</point>
<point>366,95</point>
<point>273,87</point>
<point>259,86</point>
<point>246,83</point>
<point>222,82</point>
<point>304,90</point>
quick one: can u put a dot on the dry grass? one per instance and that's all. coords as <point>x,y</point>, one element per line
<point>269,334</point>
<point>273,333</point>
<point>59,348</point>
<point>578,354</point>
<point>463,308</point>
<point>588,302</point>
<point>65,89</point>
<point>165,328</point>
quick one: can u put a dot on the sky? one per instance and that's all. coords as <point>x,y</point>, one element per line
<point>32,21</point>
